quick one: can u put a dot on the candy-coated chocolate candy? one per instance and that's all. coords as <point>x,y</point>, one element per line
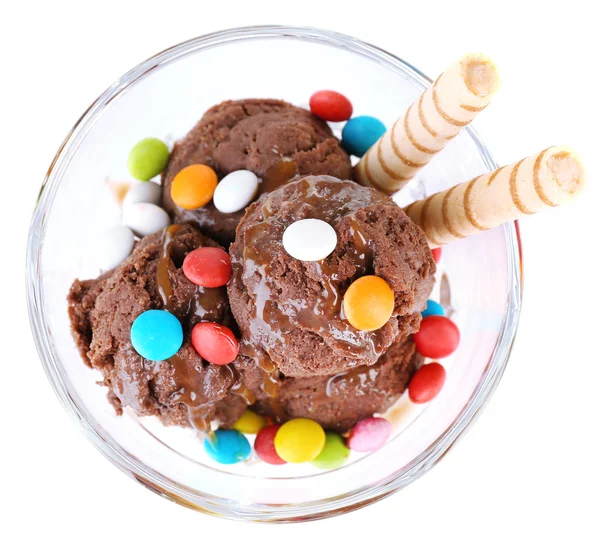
<point>334,453</point>
<point>114,246</point>
<point>214,343</point>
<point>299,440</point>
<point>369,434</point>
<point>433,309</point>
<point>438,337</point>
<point>250,423</point>
<point>227,446</point>
<point>309,240</point>
<point>194,186</point>
<point>207,267</point>
<point>368,303</point>
<point>235,191</point>
<point>437,254</point>
<point>156,335</point>
<point>148,158</point>
<point>264,445</point>
<point>426,383</point>
<point>361,133</point>
<point>142,192</point>
<point>145,218</point>
<point>330,105</point>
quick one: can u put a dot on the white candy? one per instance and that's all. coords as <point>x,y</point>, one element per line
<point>145,218</point>
<point>309,240</point>
<point>113,247</point>
<point>236,191</point>
<point>142,192</point>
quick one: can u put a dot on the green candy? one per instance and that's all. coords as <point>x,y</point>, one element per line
<point>148,158</point>
<point>334,454</point>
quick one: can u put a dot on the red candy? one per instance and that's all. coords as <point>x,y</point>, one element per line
<point>331,106</point>
<point>207,267</point>
<point>438,337</point>
<point>215,343</point>
<point>426,383</point>
<point>264,445</point>
<point>437,254</point>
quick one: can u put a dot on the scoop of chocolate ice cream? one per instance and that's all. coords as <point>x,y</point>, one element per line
<point>82,299</point>
<point>338,402</point>
<point>292,310</point>
<point>183,390</point>
<point>269,137</point>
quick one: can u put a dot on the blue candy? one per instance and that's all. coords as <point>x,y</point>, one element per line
<point>433,309</point>
<point>227,447</point>
<point>156,335</point>
<point>361,133</point>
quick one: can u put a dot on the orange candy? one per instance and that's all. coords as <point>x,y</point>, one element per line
<point>194,186</point>
<point>369,303</point>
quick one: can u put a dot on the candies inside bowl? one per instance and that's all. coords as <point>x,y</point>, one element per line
<point>322,356</point>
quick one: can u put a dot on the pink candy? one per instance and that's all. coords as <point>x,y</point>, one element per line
<point>369,434</point>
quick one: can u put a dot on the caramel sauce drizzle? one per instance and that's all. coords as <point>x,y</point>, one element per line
<point>189,381</point>
<point>277,175</point>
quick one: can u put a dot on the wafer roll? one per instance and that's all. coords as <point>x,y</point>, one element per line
<point>545,180</point>
<point>457,95</point>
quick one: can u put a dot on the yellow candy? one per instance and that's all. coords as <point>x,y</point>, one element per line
<point>250,423</point>
<point>194,186</point>
<point>368,303</point>
<point>299,440</point>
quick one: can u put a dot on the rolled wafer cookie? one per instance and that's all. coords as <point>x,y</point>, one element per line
<point>458,94</point>
<point>544,180</point>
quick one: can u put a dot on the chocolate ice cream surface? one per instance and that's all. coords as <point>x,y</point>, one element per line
<point>291,311</point>
<point>185,390</point>
<point>338,402</point>
<point>271,138</point>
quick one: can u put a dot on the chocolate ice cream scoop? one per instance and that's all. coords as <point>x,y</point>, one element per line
<point>338,402</point>
<point>271,138</point>
<point>292,310</point>
<point>184,390</point>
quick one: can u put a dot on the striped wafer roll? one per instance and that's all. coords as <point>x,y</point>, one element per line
<point>457,95</point>
<point>545,180</point>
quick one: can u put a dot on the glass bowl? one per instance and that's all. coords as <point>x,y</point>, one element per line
<point>164,97</point>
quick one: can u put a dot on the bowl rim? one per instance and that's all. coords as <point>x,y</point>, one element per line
<point>147,476</point>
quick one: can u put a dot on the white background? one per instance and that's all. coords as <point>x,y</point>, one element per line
<point>529,467</point>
